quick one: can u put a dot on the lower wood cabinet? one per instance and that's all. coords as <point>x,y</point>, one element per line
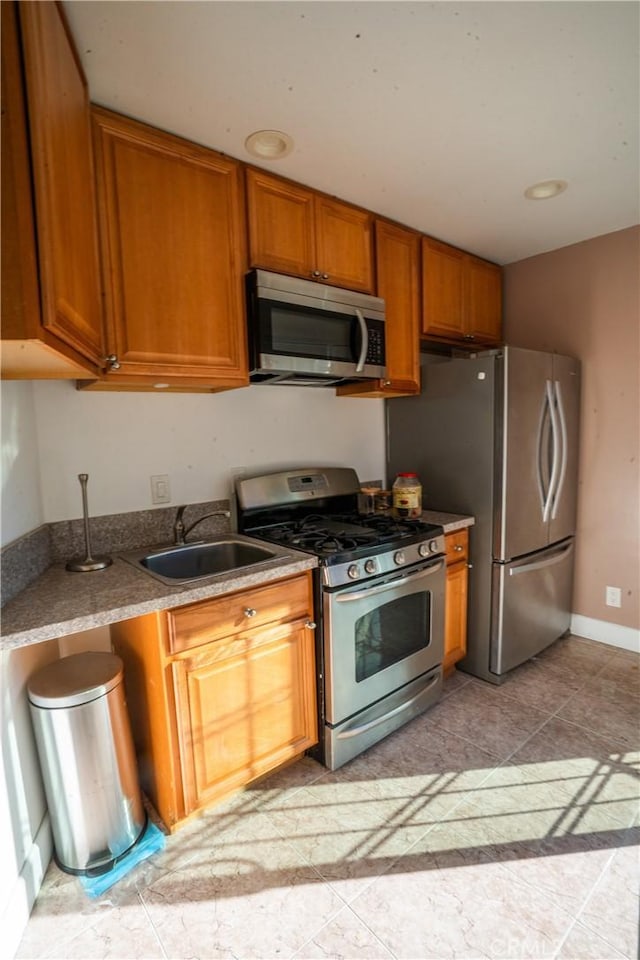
<point>455,620</point>
<point>213,709</point>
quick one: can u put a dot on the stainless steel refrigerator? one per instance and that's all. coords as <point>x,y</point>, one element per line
<point>495,435</point>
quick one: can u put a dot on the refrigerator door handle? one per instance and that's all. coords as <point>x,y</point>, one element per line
<point>542,436</point>
<point>539,564</point>
<point>563,448</point>
<point>555,457</point>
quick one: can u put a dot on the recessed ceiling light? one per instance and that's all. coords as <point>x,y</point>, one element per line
<point>545,189</point>
<point>269,144</point>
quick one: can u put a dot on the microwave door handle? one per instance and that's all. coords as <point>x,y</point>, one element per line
<point>365,340</point>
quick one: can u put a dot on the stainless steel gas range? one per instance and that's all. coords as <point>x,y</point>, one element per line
<point>379,594</point>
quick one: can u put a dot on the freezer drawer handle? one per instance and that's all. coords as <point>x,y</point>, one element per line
<point>539,564</point>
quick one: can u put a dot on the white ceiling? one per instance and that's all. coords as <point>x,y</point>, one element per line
<point>435,114</point>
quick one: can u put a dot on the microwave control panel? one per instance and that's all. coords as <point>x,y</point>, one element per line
<point>376,351</point>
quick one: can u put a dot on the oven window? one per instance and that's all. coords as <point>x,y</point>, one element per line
<point>391,633</point>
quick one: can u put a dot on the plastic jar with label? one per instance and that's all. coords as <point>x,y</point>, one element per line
<point>407,496</point>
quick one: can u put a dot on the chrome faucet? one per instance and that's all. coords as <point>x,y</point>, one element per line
<point>180,532</point>
<point>178,526</point>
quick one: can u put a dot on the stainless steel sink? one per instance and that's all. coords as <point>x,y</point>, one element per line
<point>194,561</point>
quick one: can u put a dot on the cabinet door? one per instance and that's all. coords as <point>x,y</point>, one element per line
<point>244,706</point>
<point>455,618</point>
<point>281,235</point>
<point>57,109</point>
<point>484,320</point>
<point>398,275</point>
<point>443,289</point>
<point>343,243</point>
<point>398,282</point>
<point>20,301</point>
<point>171,220</point>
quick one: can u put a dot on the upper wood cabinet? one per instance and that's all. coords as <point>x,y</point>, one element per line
<point>51,311</point>
<point>461,296</point>
<point>398,282</point>
<point>172,237</point>
<point>306,234</point>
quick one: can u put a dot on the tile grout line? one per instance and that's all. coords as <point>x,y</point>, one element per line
<point>153,926</point>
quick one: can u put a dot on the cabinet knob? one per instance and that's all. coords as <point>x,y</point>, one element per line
<point>249,612</point>
<point>457,548</point>
<point>325,276</point>
<point>112,360</point>
<point>315,273</point>
<point>310,625</point>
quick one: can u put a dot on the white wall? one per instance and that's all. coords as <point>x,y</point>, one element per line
<point>121,439</point>
<point>21,503</point>
<point>25,833</point>
<point>25,838</point>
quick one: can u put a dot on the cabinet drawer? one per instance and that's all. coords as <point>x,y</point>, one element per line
<point>457,546</point>
<point>213,619</point>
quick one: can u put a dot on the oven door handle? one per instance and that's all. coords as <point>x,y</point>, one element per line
<point>357,731</point>
<point>389,585</point>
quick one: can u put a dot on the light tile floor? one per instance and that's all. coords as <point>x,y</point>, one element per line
<point>502,823</point>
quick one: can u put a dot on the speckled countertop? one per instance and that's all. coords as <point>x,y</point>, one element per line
<point>59,603</point>
<point>450,521</point>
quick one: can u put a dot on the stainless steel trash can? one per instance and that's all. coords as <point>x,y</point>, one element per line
<point>87,759</point>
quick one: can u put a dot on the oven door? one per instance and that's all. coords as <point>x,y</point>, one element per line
<point>381,635</point>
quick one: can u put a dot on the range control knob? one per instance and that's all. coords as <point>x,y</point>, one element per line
<point>399,557</point>
<point>423,549</point>
<point>354,572</point>
<point>433,546</point>
<point>371,566</point>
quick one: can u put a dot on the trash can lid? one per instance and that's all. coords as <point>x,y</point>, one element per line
<point>74,680</point>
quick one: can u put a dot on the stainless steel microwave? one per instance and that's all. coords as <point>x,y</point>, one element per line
<point>309,334</point>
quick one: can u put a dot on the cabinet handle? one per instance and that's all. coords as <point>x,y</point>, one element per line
<point>112,360</point>
<point>249,612</point>
<point>310,625</point>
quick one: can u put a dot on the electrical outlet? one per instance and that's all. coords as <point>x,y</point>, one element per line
<point>613,596</point>
<point>160,489</point>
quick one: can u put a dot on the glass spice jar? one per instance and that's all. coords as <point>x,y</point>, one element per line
<point>407,496</point>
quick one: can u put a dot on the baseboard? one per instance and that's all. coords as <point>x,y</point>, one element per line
<point>19,904</point>
<point>611,633</point>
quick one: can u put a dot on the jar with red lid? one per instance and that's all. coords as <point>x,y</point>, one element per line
<point>407,496</point>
